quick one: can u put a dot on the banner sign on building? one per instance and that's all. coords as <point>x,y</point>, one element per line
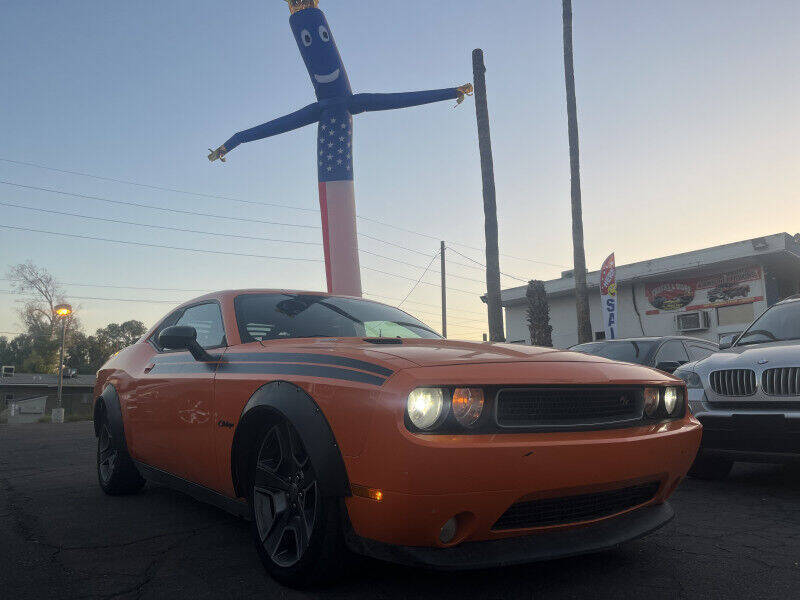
<point>723,289</point>
<point>608,296</point>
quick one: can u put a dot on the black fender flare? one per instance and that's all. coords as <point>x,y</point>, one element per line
<point>108,404</point>
<point>286,400</point>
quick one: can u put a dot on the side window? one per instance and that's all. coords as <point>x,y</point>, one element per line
<point>672,352</point>
<point>699,352</point>
<point>207,320</point>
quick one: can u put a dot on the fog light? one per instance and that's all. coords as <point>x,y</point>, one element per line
<point>651,401</point>
<point>448,533</point>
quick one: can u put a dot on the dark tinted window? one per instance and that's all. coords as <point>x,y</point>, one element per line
<point>697,352</point>
<point>672,352</point>
<point>779,323</point>
<point>284,316</point>
<point>626,351</point>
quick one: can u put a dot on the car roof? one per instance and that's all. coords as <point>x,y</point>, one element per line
<point>654,338</point>
<point>790,299</point>
<point>225,294</point>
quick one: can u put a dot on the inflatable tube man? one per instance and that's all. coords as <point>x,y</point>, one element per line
<point>333,110</point>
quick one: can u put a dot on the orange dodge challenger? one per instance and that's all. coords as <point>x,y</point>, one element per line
<point>338,424</point>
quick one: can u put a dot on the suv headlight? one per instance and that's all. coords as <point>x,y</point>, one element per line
<point>691,378</point>
<point>426,407</point>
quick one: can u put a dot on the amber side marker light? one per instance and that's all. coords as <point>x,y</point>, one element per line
<point>365,492</point>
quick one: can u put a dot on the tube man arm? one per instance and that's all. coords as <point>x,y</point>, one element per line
<point>359,103</point>
<point>305,116</point>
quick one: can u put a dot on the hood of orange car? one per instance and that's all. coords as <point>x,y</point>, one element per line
<point>436,353</point>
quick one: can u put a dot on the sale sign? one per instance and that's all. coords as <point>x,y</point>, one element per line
<point>608,296</point>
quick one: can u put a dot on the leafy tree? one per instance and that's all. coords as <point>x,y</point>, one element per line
<point>539,315</point>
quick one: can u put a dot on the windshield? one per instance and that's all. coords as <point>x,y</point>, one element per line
<point>778,324</point>
<point>626,351</point>
<point>285,316</point>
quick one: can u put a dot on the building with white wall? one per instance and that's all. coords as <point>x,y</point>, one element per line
<point>705,293</point>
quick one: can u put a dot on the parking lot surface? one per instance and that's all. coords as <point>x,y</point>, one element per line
<point>61,537</point>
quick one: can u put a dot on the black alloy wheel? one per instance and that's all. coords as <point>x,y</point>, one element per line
<point>116,472</point>
<point>285,496</point>
<point>296,529</point>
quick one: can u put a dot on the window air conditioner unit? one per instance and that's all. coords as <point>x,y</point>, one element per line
<point>693,321</point>
<point>8,371</point>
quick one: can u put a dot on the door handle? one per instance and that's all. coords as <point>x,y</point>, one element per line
<point>149,368</point>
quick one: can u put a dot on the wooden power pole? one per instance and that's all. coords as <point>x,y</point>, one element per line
<point>496,333</point>
<point>444,293</point>
<point>581,291</point>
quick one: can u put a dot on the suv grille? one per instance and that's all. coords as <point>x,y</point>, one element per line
<point>781,382</point>
<point>575,509</point>
<point>533,407</point>
<point>734,382</point>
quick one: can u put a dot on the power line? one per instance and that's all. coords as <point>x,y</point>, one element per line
<point>156,187</point>
<point>217,197</point>
<point>484,266</point>
<point>218,252</point>
<point>185,230</point>
<point>231,235</point>
<point>435,256</point>
<point>162,227</point>
<point>124,242</point>
<point>174,302</point>
<point>161,208</point>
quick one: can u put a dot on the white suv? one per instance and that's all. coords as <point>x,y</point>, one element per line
<point>748,395</point>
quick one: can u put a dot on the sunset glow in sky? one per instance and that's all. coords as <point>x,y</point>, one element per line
<point>688,121</point>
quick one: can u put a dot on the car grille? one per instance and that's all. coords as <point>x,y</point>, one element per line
<point>734,382</point>
<point>575,509</point>
<point>781,382</point>
<point>533,407</point>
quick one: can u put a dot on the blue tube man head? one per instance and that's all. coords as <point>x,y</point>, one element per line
<point>319,51</point>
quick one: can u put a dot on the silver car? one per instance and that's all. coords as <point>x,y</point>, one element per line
<point>748,395</point>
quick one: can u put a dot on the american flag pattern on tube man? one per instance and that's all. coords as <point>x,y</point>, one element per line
<point>333,111</point>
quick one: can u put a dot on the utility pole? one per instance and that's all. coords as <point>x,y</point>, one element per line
<point>579,254</point>
<point>496,333</point>
<point>444,293</point>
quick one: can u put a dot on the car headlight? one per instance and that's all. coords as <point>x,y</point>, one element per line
<point>692,379</point>
<point>467,406</point>
<point>673,399</point>
<point>426,407</point>
<point>652,400</point>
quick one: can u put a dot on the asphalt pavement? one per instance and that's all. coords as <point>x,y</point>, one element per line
<point>62,538</point>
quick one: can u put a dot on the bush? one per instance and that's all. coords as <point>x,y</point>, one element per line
<point>44,419</point>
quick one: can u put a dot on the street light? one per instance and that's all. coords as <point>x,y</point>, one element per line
<point>63,311</point>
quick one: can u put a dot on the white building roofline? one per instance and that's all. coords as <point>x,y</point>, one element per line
<point>753,249</point>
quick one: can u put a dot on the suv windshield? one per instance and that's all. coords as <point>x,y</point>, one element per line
<point>779,324</point>
<point>626,351</point>
<point>285,316</point>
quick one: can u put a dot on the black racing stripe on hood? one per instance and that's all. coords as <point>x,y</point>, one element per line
<point>253,368</point>
<point>299,357</point>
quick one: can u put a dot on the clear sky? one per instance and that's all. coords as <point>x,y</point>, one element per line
<point>688,119</point>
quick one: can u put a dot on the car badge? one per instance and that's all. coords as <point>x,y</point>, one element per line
<point>763,361</point>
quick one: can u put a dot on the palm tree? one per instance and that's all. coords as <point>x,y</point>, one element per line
<point>581,292</point>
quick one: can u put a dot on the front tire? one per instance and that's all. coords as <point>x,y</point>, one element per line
<point>710,468</point>
<point>296,529</point>
<point>115,469</point>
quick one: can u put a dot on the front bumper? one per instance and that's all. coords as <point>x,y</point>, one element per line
<point>546,545</point>
<point>750,433</point>
<point>426,480</point>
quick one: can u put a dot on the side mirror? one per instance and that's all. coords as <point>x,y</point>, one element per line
<point>668,366</point>
<point>727,341</point>
<point>182,337</point>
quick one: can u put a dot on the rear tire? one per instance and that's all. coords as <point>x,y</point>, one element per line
<point>115,469</point>
<point>297,531</point>
<point>710,468</point>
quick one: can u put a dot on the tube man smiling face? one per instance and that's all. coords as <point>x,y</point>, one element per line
<point>319,51</point>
